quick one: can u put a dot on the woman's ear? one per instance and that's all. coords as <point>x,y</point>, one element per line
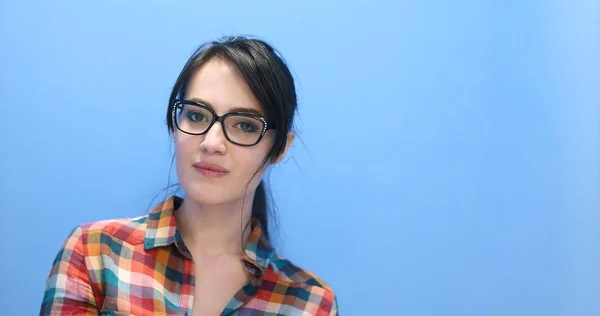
<point>288,144</point>
<point>173,136</point>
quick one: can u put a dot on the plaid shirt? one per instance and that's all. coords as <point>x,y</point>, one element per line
<point>141,266</point>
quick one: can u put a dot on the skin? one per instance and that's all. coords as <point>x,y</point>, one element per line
<point>211,216</point>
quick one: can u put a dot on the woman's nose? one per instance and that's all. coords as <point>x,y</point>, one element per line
<point>214,140</point>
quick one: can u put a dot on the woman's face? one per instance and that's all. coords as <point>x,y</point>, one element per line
<point>211,169</point>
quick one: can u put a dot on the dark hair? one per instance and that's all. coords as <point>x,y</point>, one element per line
<point>269,79</point>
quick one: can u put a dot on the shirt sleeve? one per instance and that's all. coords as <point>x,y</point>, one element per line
<point>334,307</point>
<point>328,304</point>
<point>68,289</point>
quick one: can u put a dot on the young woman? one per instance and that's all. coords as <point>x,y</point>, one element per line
<point>230,115</point>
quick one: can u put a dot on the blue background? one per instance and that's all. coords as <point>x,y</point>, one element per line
<point>450,154</point>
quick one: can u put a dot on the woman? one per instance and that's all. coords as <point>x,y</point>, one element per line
<point>230,114</point>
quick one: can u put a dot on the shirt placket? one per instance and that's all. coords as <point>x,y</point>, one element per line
<point>186,296</point>
<point>246,293</point>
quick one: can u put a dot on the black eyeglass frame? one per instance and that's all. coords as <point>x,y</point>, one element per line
<point>267,124</point>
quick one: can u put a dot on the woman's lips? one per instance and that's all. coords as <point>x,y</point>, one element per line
<point>210,170</point>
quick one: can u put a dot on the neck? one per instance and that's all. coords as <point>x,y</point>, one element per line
<point>214,229</point>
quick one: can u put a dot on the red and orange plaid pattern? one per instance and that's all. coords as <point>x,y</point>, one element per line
<point>141,266</point>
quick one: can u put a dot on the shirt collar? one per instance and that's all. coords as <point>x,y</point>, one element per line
<point>161,227</point>
<point>161,231</point>
<point>258,250</point>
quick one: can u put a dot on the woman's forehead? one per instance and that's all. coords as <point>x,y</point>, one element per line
<point>221,86</point>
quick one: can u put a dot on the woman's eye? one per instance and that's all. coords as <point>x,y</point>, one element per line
<point>246,127</point>
<point>195,116</point>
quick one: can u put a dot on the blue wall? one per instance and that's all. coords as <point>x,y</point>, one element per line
<point>450,162</point>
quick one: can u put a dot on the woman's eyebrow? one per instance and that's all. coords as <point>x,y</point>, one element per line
<point>200,101</point>
<point>237,109</point>
<point>246,110</point>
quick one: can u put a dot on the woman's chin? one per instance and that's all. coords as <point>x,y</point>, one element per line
<point>207,195</point>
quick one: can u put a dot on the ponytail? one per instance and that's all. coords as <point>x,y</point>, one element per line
<point>259,207</point>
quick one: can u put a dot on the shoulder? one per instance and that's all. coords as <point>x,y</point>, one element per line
<point>306,285</point>
<point>128,230</point>
<point>289,271</point>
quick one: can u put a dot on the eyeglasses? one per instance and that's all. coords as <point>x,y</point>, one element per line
<point>244,129</point>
